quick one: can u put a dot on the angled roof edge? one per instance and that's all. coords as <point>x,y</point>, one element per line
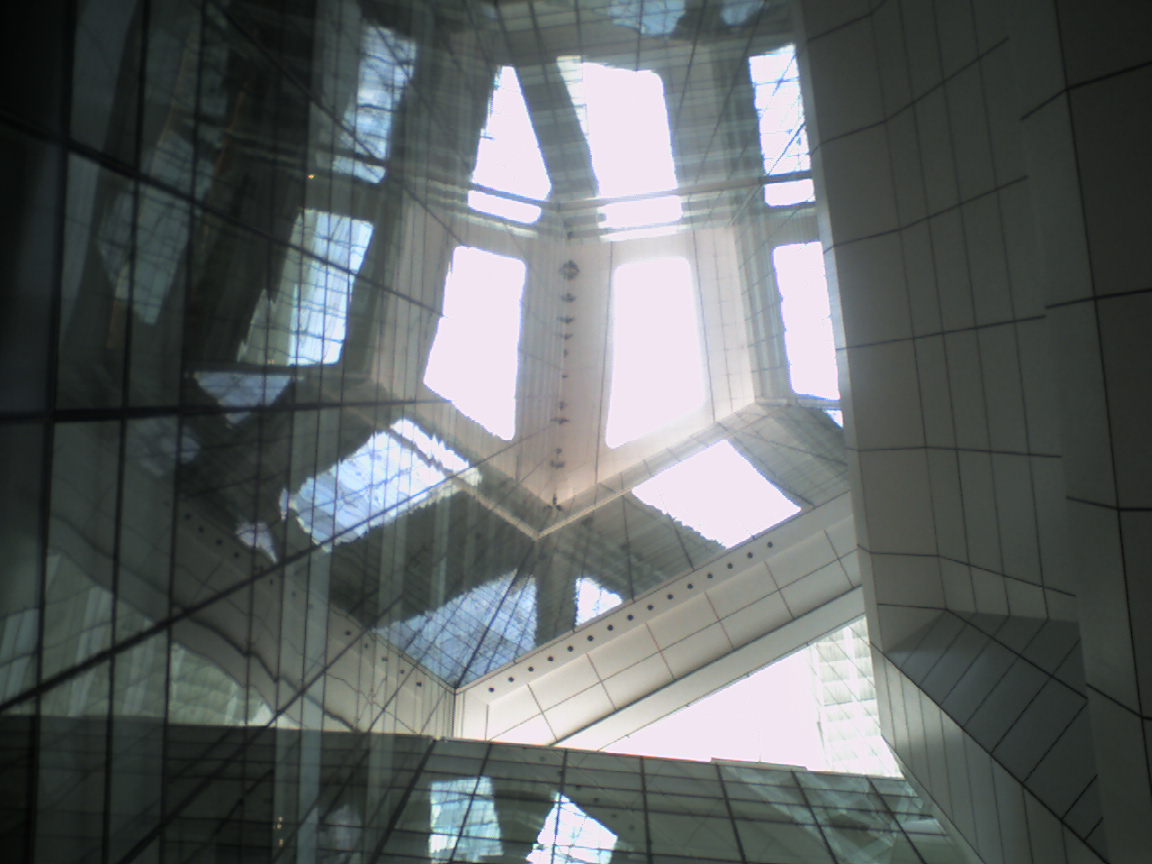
<point>691,636</point>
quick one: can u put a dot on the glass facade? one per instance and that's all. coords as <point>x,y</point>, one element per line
<point>244,539</point>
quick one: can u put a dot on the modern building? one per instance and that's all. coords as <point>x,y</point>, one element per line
<point>463,370</point>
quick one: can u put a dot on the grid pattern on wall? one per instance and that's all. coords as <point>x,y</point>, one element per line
<point>231,500</point>
<point>977,159</point>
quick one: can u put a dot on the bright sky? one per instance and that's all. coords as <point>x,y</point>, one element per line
<point>780,111</point>
<point>719,494</point>
<point>770,716</point>
<point>657,371</point>
<point>807,317</point>
<point>625,119</point>
<point>475,355</point>
<point>509,156</point>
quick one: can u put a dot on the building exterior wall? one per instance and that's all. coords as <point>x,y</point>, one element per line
<point>978,162</point>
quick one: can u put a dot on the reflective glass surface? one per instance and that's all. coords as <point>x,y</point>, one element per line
<point>242,512</point>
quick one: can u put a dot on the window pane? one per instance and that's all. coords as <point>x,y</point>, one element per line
<point>807,319</point>
<point>625,120</point>
<point>509,158</point>
<point>475,355</point>
<point>657,371</point>
<point>718,494</point>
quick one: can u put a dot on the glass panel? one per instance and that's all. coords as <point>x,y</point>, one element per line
<point>625,121</point>
<point>137,742</point>
<point>718,494</point>
<point>386,477</point>
<point>473,633</point>
<point>386,65</point>
<point>509,158</point>
<point>807,319</point>
<point>780,110</point>
<point>21,465</point>
<point>463,821</point>
<point>773,843</point>
<point>571,836</point>
<point>475,356</point>
<point>85,477</point>
<point>306,322</point>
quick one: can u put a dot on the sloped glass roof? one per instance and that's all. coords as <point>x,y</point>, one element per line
<point>780,112</point>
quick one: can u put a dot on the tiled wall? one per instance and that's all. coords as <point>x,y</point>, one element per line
<point>980,162</point>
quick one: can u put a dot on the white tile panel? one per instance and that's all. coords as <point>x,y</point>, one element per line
<point>534,731</point>
<point>573,676</point>
<point>682,620</point>
<point>511,710</point>
<point>629,684</point>
<point>800,559</point>
<point>623,651</point>
<point>738,591</point>
<point>816,588</point>
<point>752,621</point>
<point>697,650</point>
<point>886,396</point>
<point>579,710</point>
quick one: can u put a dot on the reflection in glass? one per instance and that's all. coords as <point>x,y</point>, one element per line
<point>306,322</point>
<point>242,389</point>
<point>593,599</point>
<point>650,17</point>
<point>385,67</point>
<point>807,316</point>
<point>718,494</point>
<point>625,121</point>
<point>475,355</point>
<point>571,836</point>
<point>258,536</point>
<point>780,111</point>
<point>509,158</point>
<point>475,632</point>
<point>389,475</point>
<point>464,826</point>
<point>657,369</point>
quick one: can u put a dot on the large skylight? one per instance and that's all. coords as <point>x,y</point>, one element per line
<point>394,471</point>
<point>475,355</point>
<point>657,356</point>
<point>718,494</point>
<point>780,111</point>
<point>571,836</point>
<point>624,117</point>
<point>366,128</point>
<point>473,633</point>
<point>509,158</point>
<point>305,324</point>
<point>808,336</point>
